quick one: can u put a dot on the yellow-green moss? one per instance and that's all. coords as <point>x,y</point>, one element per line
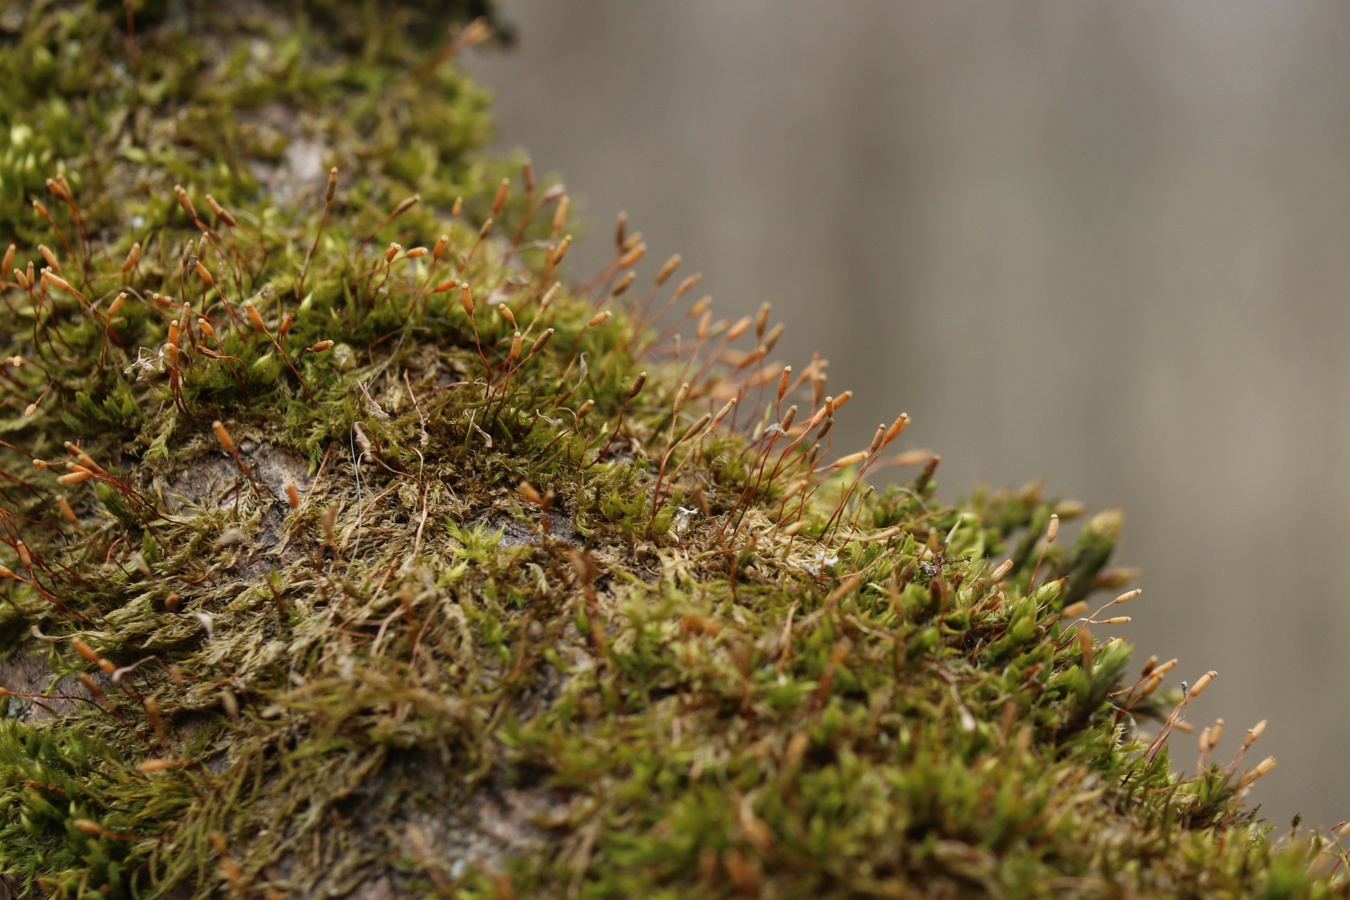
<point>460,603</point>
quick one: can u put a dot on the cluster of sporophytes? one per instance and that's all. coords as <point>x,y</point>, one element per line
<point>350,549</point>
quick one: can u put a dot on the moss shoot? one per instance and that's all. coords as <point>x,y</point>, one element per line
<point>352,547</point>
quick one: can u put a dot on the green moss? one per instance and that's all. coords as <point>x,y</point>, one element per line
<point>353,588</point>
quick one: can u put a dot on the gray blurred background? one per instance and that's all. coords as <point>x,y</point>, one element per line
<point>1102,243</point>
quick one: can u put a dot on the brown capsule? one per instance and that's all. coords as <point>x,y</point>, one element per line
<point>206,327</point>
<point>172,602</point>
<point>901,421</point>
<point>500,200</point>
<point>621,229</point>
<point>285,326</point>
<point>680,396</point>
<point>153,714</point>
<point>694,428</point>
<point>185,201</point>
<point>133,257</point>
<point>1201,683</point>
<point>560,214</point>
<point>529,492</point>
<point>90,685</point>
<point>599,318</point>
<point>686,286</point>
<point>84,650</point>
<point>292,495</point>
<point>514,353</point>
<point>9,258</point>
<point>221,212</point>
<point>637,385</point>
<point>761,320</point>
<point>441,243</point>
<point>584,408</point>
<point>542,342</point>
<point>722,413</point>
<point>328,520</point>
<point>774,334</point>
<point>1261,769</point>
<point>66,510</point>
<point>739,328</point>
<point>549,296</point>
<point>320,346</point>
<point>405,206</point>
<point>59,189</point>
<point>58,282</point>
<point>632,256</point>
<point>527,176</point>
<point>254,316</point>
<point>562,250</point>
<point>507,314</point>
<point>1072,611</point>
<point>623,284</point>
<point>151,766</point>
<point>41,209</point>
<point>849,460</point>
<point>877,438</point>
<point>667,269</point>
<point>50,257</point>
<point>223,435</point>
<point>1002,572</point>
<point>332,185</point>
<point>466,299</point>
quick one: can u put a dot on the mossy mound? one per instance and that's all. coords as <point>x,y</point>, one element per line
<point>351,552</point>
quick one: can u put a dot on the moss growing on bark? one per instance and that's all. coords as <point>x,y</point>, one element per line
<point>351,550</point>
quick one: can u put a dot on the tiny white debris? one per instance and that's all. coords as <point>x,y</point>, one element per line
<point>147,363</point>
<point>208,623</point>
<point>825,559</point>
<point>682,516</point>
<point>231,536</point>
<point>774,428</point>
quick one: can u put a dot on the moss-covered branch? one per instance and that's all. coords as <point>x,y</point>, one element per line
<point>351,548</point>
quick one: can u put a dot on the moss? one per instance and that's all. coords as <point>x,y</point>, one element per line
<point>351,550</point>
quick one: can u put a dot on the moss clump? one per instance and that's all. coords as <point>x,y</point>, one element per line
<point>352,552</point>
